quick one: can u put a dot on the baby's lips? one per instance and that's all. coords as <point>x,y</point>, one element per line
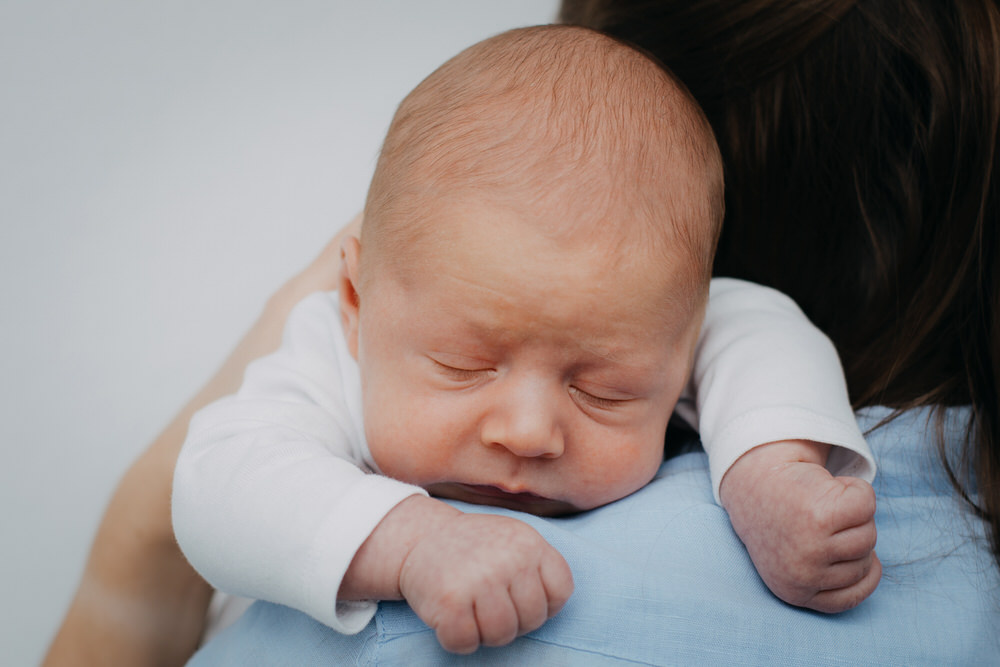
<point>499,492</point>
<point>522,501</point>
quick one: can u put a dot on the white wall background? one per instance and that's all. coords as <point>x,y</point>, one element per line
<point>163,167</point>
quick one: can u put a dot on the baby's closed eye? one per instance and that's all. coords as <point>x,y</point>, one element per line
<point>462,370</point>
<point>598,400</point>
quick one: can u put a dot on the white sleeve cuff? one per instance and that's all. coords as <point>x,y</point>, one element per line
<point>850,455</point>
<point>370,499</point>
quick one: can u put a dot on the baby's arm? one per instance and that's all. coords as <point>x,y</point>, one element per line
<point>270,503</point>
<point>788,461</point>
<point>269,499</point>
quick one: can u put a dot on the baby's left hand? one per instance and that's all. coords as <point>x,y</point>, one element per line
<point>811,535</point>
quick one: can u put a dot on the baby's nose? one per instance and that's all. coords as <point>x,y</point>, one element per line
<point>526,425</point>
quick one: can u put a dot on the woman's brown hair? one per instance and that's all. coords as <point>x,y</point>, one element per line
<point>860,141</point>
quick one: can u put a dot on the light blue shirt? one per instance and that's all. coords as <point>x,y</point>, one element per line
<point>662,579</point>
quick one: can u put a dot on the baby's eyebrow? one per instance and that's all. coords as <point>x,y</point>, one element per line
<point>618,354</point>
<point>479,330</point>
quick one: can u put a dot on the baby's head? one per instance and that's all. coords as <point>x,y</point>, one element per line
<point>527,293</point>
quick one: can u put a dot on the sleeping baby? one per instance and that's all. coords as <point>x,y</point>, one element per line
<point>527,306</point>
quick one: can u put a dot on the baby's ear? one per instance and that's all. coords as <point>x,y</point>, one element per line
<point>350,301</point>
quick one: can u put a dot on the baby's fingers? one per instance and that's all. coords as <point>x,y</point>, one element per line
<point>529,599</point>
<point>557,580</point>
<point>847,597</point>
<point>853,543</point>
<point>497,617</point>
<point>457,631</point>
<point>852,504</point>
<point>846,573</point>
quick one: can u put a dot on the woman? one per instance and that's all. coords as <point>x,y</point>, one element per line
<point>860,140</point>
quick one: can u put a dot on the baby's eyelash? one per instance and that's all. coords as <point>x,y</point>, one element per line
<point>597,401</point>
<point>460,373</point>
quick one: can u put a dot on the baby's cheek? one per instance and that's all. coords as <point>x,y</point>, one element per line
<point>387,444</point>
<point>613,472</point>
<point>408,450</point>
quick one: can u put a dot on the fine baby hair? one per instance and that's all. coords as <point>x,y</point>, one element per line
<point>553,112</point>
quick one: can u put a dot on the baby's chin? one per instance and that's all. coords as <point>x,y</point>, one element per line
<point>496,497</point>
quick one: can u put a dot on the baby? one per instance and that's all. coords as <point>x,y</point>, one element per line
<point>523,311</point>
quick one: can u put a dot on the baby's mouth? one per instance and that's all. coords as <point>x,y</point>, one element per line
<point>484,494</point>
<point>497,492</point>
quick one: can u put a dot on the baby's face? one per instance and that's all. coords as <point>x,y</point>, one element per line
<point>516,370</point>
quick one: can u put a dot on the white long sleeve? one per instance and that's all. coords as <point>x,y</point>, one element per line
<point>762,373</point>
<point>271,497</point>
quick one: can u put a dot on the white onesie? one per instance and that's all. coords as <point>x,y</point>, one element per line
<point>275,489</point>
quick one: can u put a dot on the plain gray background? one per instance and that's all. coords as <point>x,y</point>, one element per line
<point>163,168</point>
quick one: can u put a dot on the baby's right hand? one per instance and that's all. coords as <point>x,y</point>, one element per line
<point>483,579</point>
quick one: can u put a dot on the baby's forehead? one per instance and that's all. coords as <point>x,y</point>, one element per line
<point>543,251</point>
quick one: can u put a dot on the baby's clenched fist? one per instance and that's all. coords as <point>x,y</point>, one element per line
<point>810,535</point>
<point>484,579</point>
